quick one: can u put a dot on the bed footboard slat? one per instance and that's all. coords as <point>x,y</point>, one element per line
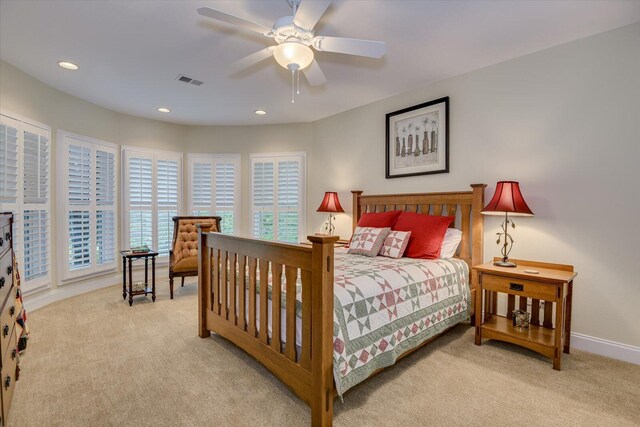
<point>276,304</point>
<point>263,266</point>
<point>291,275</point>
<point>305,351</point>
<point>252,297</point>
<point>233,303</point>
<point>242,291</point>
<point>215,279</point>
<point>224,268</point>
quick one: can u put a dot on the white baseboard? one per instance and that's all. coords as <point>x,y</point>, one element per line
<point>38,300</point>
<point>602,347</point>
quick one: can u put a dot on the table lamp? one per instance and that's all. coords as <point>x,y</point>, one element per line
<point>507,200</point>
<point>330,204</point>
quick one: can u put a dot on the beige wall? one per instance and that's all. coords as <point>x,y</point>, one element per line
<point>565,122</point>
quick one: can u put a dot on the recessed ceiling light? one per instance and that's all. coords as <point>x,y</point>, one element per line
<point>68,65</point>
<point>261,112</point>
<point>164,110</point>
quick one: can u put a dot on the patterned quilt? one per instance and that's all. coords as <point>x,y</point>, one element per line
<point>384,307</point>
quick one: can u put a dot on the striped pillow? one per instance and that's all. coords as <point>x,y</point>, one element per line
<point>367,241</point>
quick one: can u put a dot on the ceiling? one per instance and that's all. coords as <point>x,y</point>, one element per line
<point>131,52</point>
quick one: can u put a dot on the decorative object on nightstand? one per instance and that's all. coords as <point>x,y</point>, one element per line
<point>507,200</point>
<point>330,204</point>
<point>550,291</point>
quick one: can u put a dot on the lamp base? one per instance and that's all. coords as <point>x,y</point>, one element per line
<point>504,263</point>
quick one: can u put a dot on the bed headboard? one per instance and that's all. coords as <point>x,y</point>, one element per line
<point>464,205</point>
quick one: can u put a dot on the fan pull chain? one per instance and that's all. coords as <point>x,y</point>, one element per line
<point>298,82</point>
<point>293,86</point>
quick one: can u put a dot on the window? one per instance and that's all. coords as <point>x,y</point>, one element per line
<point>277,196</point>
<point>88,204</point>
<point>25,191</point>
<point>215,188</point>
<point>153,196</point>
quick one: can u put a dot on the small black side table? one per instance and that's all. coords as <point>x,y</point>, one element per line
<point>128,255</point>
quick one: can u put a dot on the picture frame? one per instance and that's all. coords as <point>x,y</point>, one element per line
<point>417,140</point>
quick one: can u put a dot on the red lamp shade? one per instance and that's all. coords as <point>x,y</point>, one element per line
<point>330,203</point>
<point>507,199</point>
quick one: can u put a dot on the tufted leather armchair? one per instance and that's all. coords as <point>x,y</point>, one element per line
<point>183,256</point>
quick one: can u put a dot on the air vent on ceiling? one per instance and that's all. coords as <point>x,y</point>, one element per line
<point>185,79</point>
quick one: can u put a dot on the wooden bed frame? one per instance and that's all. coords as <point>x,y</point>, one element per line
<point>309,372</point>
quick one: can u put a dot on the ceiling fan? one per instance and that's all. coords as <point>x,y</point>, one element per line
<point>295,37</point>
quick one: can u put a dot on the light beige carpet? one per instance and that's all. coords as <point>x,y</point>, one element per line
<point>93,360</point>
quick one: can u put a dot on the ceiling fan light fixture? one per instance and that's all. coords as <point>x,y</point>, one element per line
<point>293,55</point>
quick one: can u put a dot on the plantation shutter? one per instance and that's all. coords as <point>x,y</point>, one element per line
<point>8,161</point>
<point>263,199</point>
<point>225,191</point>
<point>278,184</point>
<point>201,187</point>
<point>167,179</point>
<point>35,204</point>
<point>105,224</point>
<point>215,188</point>
<point>89,186</point>
<point>36,168</point>
<point>153,184</point>
<point>24,191</point>
<point>288,200</point>
<point>35,243</point>
<point>79,199</point>
<point>140,201</point>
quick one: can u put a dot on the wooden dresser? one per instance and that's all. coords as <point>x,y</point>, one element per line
<point>8,347</point>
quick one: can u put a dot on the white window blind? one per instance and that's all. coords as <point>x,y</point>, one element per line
<point>153,184</point>
<point>277,196</point>
<point>88,205</point>
<point>24,191</point>
<point>8,163</point>
<point>215,188</point>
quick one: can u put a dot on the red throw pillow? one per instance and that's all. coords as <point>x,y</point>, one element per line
<point>379,219</point>
<point>427,233</point>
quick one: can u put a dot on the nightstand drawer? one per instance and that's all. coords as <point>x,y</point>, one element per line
<point>510,285</point>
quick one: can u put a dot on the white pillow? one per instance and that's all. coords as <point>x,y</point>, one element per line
<point>452,239</point>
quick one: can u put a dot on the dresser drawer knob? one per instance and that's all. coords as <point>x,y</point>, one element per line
<point>516,287</point>
<point>2,280</point>
<point>14,353</point>
<point>7,382</point>
<point>1,241</point>
<point>7,236</point>
<point>5,330</point>
<point>9,269</point>
<point>12,310</point>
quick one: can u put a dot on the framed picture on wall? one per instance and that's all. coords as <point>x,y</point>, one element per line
<point>417,140</point>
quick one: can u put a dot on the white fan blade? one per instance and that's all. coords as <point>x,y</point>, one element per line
<point>309,13</point>
<point>240,22</point>
<point>370,48</point>
<point>314,74</point>
<point>252,59</point>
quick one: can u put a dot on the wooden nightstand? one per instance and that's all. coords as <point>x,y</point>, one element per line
<point>553,285</point>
